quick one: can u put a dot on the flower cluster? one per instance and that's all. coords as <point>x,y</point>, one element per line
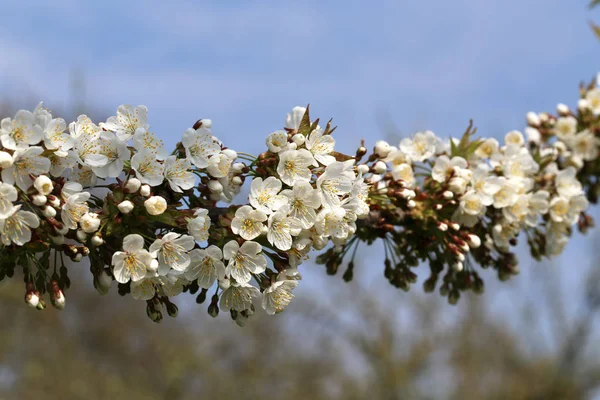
<point>155,223</point>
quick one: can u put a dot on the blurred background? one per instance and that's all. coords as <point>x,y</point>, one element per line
<point>381,69</point>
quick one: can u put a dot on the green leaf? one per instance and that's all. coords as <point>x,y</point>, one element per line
<point>304,128</point>
<point>466,146</point>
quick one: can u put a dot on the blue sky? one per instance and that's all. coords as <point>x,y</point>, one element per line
<point>370,66</point>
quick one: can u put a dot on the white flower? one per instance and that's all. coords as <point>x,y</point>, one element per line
<point>248,223</point>
<point>39,200</point>
<point>144,139</point>
<point>565,127</point>
<point>20,132</point>
<point>145,190</point>
<point>487,149</point>
<point>172,252</point>
<point>518,162</point>
<point>43,185</point>
<point>110,155</point>
<point>421,147</point>
<point>74,208</point>
<point>514,138</point>
<point>85,176</point>
<point>264,195</point>
<point>567,184</point>
<point>8,195</point>
<point>17,227</point>
<point>55,137</point>
<point>471,203</point>
<point>593,100</point>
<point>134,262</point>
<point>331,222</point>
<point>177,173</point>
<point>206,266</point>
<point>444,168</point>
<point>585,145</point>
<point>244,261</point>
<point>6,159</point>
<point>281,228</point>
<point>127,121</point>
<point>567,210</point>
<point>144,289</point>
<point>336,181</point>
<point>147,169</point>
<point>200,145</point>
<point>303,201</point>
<point>484,184</point>
<point>294,166</point>
<point>199,225</point>
<point>277,296</point>
<point>321,146</point>
<point>155,205</point>
<point>26,162</point>
<point>125,207</point>
<point>219,165</point>
<point>90,222</point>
<point>277,141</point>
<point>238,296</point>
<point>404,172</point>
<point>382,148</point>
<point>294,118</point>
<point>533,135</point>
<point>507,194</point>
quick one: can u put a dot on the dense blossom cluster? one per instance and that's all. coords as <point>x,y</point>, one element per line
<point>153,221</point>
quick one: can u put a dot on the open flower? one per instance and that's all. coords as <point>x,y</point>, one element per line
<point>281,228</point>
<point>277,296</point>
<point>294,166</point>
<point>177,173</point>
<point>277,141</point>
<point>303,200</point>
<point>74,209</point>
<point>206,266</point>
<point>199,225</point>
<point>147,169</point>
<point>127,121</point>
<point>111,154</point>
<point>144,139</point>
<point>172,252</point>
<point>264,195</point>
<point>244,261</point>
<point>17,227</point>
<point>8,195</point>
<point>321,146</point>
<point>26,163</point>
<point>55,137</point>
<point>238,296</point>
<point>336,181</point>
<point>248,222</point>
<point>21,131</point>
<point>200,145</point>
<point>134,262</point>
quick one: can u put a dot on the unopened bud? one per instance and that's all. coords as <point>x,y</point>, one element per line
<point>54,201</point>
<point>58,299</point>
<point>411,204</point>
<point>125,207</point>
<point>563,109</point>
<point>442,227</point>
<point>145,190</point>
<point>362,169</point>
<point>457,266</point>
<point>533,119</point>
<point>382,148</point>
<point>474,241</point>
<point>58,240</point>
<point>298,139</point>
<point>78,257</point>
<point>454,226</point>
<point>81,235</point>
<point>583,105</point>
<point>97,240</point>
<point>32,298</point>
<point>43,185</point>
<point>379,168</point>
<point>6,160</point>
<point>39,200</point>
<point>215,186</point>
<point>448,195</point>
<point>133,185</point>
<point>49,212</point>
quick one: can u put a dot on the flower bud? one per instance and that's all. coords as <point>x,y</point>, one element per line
<point>457,185</point>
<point>473,240</point>
<point>237,181</point>
<point>155,205</point>
<point>54,201</point>
<point>97,240</point>
<point>78,257</point>
<point>292,146</point>
<point>43,185</point>
<point>460,257</point>
<point>39,200</point>
<point>298,139</point>
<point>58,299</point>
<point>133,185</point>
<point>454,226</point>
<point>62,231</point>
<point>237,168</point>
<point>382,148</point>
<point>206,123</point>
<point>145,190</point>
<point>362,169</point>
<point>81,235</point>
<point>32,298</point>
<point>583,105</point>
<point>411,204</point>
<point>533,119</point>
<point>90,222</point>
<point>379,167</point>
<point>448,195</point>
<point>442,227</point>
<point>457,266</point>
<point>563,109</point>
<point>544,117</point>
<point>125,207</point>
<point>533,135</point>
<point>154,265</point>
<point>230,153</point>
<point>58,240</point>
<point>6,160</point>
<point>215,186</point>
<point>49,212</point>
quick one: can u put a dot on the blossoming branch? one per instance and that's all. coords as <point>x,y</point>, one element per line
<point>157,222</point>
